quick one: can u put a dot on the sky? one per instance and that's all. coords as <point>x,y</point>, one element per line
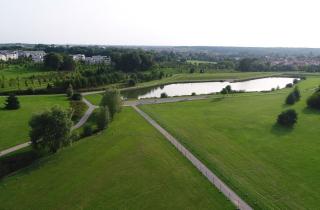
<point>260,23</point>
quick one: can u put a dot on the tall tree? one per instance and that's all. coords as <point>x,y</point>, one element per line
<point>111,99</point>
<point>53,61</point>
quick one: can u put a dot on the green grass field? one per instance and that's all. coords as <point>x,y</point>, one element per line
<point>269,166</point>
<point>14,127</point>
<point>129,166</point>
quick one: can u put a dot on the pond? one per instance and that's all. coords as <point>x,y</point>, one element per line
<point>183,89</point>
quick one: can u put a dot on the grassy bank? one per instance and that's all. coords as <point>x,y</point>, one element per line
<point>130,166</point>
<point>14,127</point>
<point>269,166</point>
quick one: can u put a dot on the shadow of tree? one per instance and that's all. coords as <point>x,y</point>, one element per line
<point>217,99</point>
<point>308,110</point>
<point>280,130</point>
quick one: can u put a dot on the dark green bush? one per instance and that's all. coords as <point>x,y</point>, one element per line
<point>314,101</point>
<point>287,118</point>
<point>12,102</point>
<point>76,97</point>
<point>163,95</point>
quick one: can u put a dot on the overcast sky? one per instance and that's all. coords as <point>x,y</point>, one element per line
<point>271,23</point>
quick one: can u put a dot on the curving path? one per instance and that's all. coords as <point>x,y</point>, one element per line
<point>82,121</point>
<point>218,183</point>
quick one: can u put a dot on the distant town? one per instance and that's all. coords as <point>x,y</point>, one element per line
<point>38,57</point>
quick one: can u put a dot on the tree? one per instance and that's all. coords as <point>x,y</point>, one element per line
<point>68,63</point>
<point>103,118</point>
<point>288,118</point>
<point>50,129</point>
<point>76,97</point>
<point>112,99</point>
<point>53,61</point>
<point>87,130</point>
<point>291,99</point>
<point>314,101</point>
<point>69,91</point>
<point>12,102</point>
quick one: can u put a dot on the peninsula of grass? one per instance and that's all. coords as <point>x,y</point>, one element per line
<point>14,128</point>
<point>128,166</point>
<point>271,167</point>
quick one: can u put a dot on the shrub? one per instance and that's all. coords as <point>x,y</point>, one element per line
<point>12,102</point>
<point>226,90</point>
<point>69,91</point>
<point>163,95</point>
<point>289,85</point>
<point>288,118</point>
<point>103,118</point>
<point>76,97</point>
<point>131,82</point>
<point>314,101</point>
<point>291,99</point>
<point>295,81</point>
<point>87,130</point>
<point>193,94</point>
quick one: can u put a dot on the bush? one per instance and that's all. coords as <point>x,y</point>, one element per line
<point>288,118</point>
<point>314,101</point>
<point>103,118</point>
<point>87,130</point>
<point>78,109</point>
<point>69,91</point>
<point>226,90</point>
<point>131,82</point>
<point>290,85</point>
<point>12,102</point>
<point>295,81</point>
<point>291,99</point>
<point>193,94</point>
<point>163,95</point>
<point>76,97</point>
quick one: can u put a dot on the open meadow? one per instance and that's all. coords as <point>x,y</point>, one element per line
<point>129,166</point>
<point>236,136</point>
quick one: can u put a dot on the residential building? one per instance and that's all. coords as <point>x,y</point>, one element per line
<point>98,59</point>
<point>37,56</point>
<point>6,55</point>
<point>79,57</point>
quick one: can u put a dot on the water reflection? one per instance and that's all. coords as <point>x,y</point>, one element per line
<point>180,89</point>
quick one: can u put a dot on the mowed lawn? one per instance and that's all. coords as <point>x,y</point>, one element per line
<point>14,128</point>
<point>269,166</point>
<point>129,166</point>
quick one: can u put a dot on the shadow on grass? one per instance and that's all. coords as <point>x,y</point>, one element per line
<point>308,110</point>
<point>280,130</point>
<point>17,161</point>
<point>217,99</point>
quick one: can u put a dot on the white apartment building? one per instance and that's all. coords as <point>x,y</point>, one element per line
<point>6,55</point>
<point>78,57</point>
<point>37,56</point>
<point>98,59</point>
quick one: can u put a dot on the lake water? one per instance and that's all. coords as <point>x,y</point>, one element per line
<point>182,89</point>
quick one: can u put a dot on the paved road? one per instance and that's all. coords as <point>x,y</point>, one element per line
<point>218,183</point>
<point>164,100</point>
<point>83,119</point>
